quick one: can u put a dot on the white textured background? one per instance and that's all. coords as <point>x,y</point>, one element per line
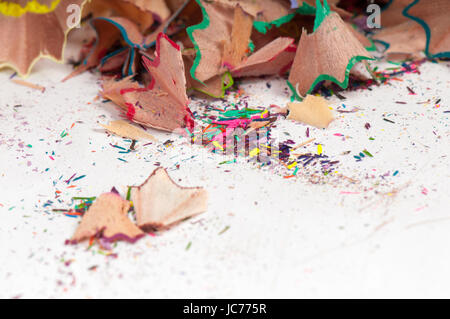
<point>386,236</point>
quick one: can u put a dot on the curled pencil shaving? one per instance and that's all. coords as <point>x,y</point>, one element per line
<point>159,202</point>
<point>107,218</point>
<point>133,10</point>
<point>328,53</point>
<point>109,31</point>
<point>432,15</point>
<point>29,33</point>
<point>163,104</point>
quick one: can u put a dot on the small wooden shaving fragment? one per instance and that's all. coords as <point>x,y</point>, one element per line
<point>108,217</point>
<point>259,124</point>
<point>29,84</point>
<point>125,129</point>
<point>314,110</point>
<point>303,144</point>
<point>256,125</point>
<point>159,202</point>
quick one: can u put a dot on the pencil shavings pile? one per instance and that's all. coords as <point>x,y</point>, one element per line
<point>159,203</point>
<point>153,54</point>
